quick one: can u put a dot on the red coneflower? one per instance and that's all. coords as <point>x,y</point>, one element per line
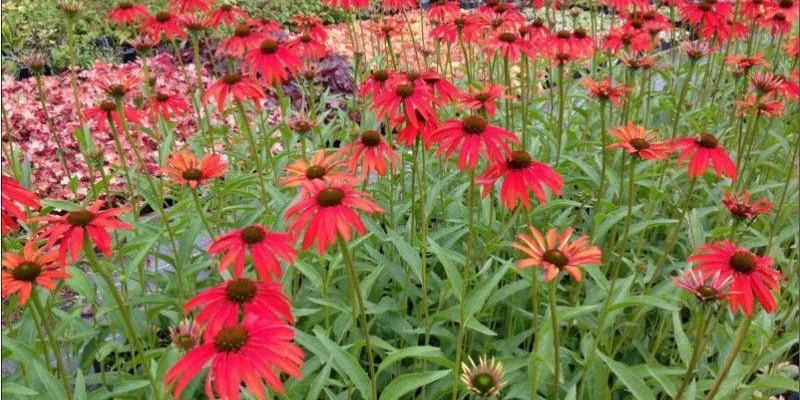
<point>472,136</point>
<point>386,28</point>
<point>521,174</point>
<point>636,61</point>
<point>764,106</point>
<point>328,210</point>
<point>240,87</point>
<point>777,21</point>
<point>398,5</point>
<point>242,40</point>
<point>712,15</point>
<point>188,6</point>
<point>311,25</point>
<point>127,13</point>
<point>167,106</point>
<point>628,38</point>
<point>185,170</point>
<point>228,15</point>
<point>441,87</point>
<point>11,197</point>
<point>606,91</point>
<point>376,83</point>
<point>327,168</point>
<point>705,149</point>
<point>741,65</point>
<point>441,10</point>
<point>247,353</point>
<point>753,9</point>
<point>554,253</point>
<point>483,99</point>
<point>750,274</point>
<point>70,229</point>
<point>509,45</point>
<point>637,140</point>
<point>267,26</point>
<point>308,48</point>
<point>405,100</point>
<point>741,207</point>
<point>118,87</point>
<point>408,135</point>
<point>766,82</point>
<point>164,24</point>
<point>695,50</point>
<point>265,249</point>
<point>272,60</point>
<point>195,24</point>
<point>220,305</point>
<point>791,88</point>
<point>100,113</point>
<point>625,5</point>
<point>704,289</point>
<point>32,267</point>
<point>372,152</point>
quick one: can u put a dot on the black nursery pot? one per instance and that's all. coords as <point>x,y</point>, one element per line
<point>128,55</point>
<point>23,73</point>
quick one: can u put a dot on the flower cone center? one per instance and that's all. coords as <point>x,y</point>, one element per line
<point>253,234</point>
<point>80,218</point>
<point>404,90</point>
<point>381,75</point>
<point>330,197</point>
<point>707,293</point>
<point>519,160</point>
<point>192,174</point>
<point>125,5</point>
<point>707,140</point>
<point>483,383</point>
<point>242,31</point>
<point>240,290</point>
<point>474,125</point>
<point>161,97</point>
<point>555,257</point>
<point>27,271</point>
<point>269,46</point>
<point>163,16</point>
<point>233,78</point>
<point>231,339</point>
<point>315,172</point>
<point>639,144</point>
<point>108,106</point>
<point>370,138</point>
<point>508,37</point>
<point>743,262</point>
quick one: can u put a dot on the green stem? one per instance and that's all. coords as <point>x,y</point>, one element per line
<point>126,313</point>
<point>466,272</point>
<point>736,346</point>
<point>556,339</point>
<point>202,213</point>
<point>254,149</point>
<point>697,351</point>
<point>51,338</point>
<point>561,102</point>
<point>355,288</point>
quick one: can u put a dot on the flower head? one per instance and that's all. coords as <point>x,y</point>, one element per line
<point>750,274</point>
<point>164,24</point>
<point>761,106</point>
<point>228,15</point>
<point>189,6</point>
<point>243,39</point>
<point>484,378</point>
<point>705,150</point>
<point>126,13</point>
<point>706,290</point>
<point>321,166</point>
<point>483,99</point>
<point>240,87</point>
<point>273,60</point>
<point>372,152</point>
<point>637,140</point>
<point>473,136</point>
<point>185,170</point>
<point>265,248</point>
<point>740,206</point>
<point>327,211</point>
<point>606,91</point>
<point>12,197</point>
<point>221,305</point>
<point>167,106</point>
<point>186,335</point>
<point>70,229</point>
<point>21,271</point>
<point>521,174</point>
<point>405,99</point>
<point>247,353</point>
<point>104,110</point>
<point>555,253</point>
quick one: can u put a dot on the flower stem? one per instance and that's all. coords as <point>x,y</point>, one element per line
<point>126,313</point>
<point>699,345</point>
<point>255,152</point>
<point>355,289</point>
<point>202,213</point>
<point>681,99</point>
<point>51,338</point>
<point>741,334</point>
<point>561,101</point>
<point>556,339</point>
<point>465,276</point>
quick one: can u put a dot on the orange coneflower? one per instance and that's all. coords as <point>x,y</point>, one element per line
<point>554,253</point>
<point>321,166</point>
<point>32,267</point>
<point>606,91</point>
<point>185,170</point>
<point>637,140</point>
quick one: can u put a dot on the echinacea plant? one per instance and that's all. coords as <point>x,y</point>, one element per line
<point>253,209</point>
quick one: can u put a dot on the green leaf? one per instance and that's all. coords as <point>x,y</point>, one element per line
<point>408,254</point>
<point>51,384</point>
<point>779,382</point>
<point>344,362</point>
<point>428,353</point>
<point>406,383</point>
<point>130,386</point>
<point>477,296</point>
<point>643,300</point>
<point>635,385</point>
<point>80,387</point>
<point>13,388</point>
<point>684,348</point>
